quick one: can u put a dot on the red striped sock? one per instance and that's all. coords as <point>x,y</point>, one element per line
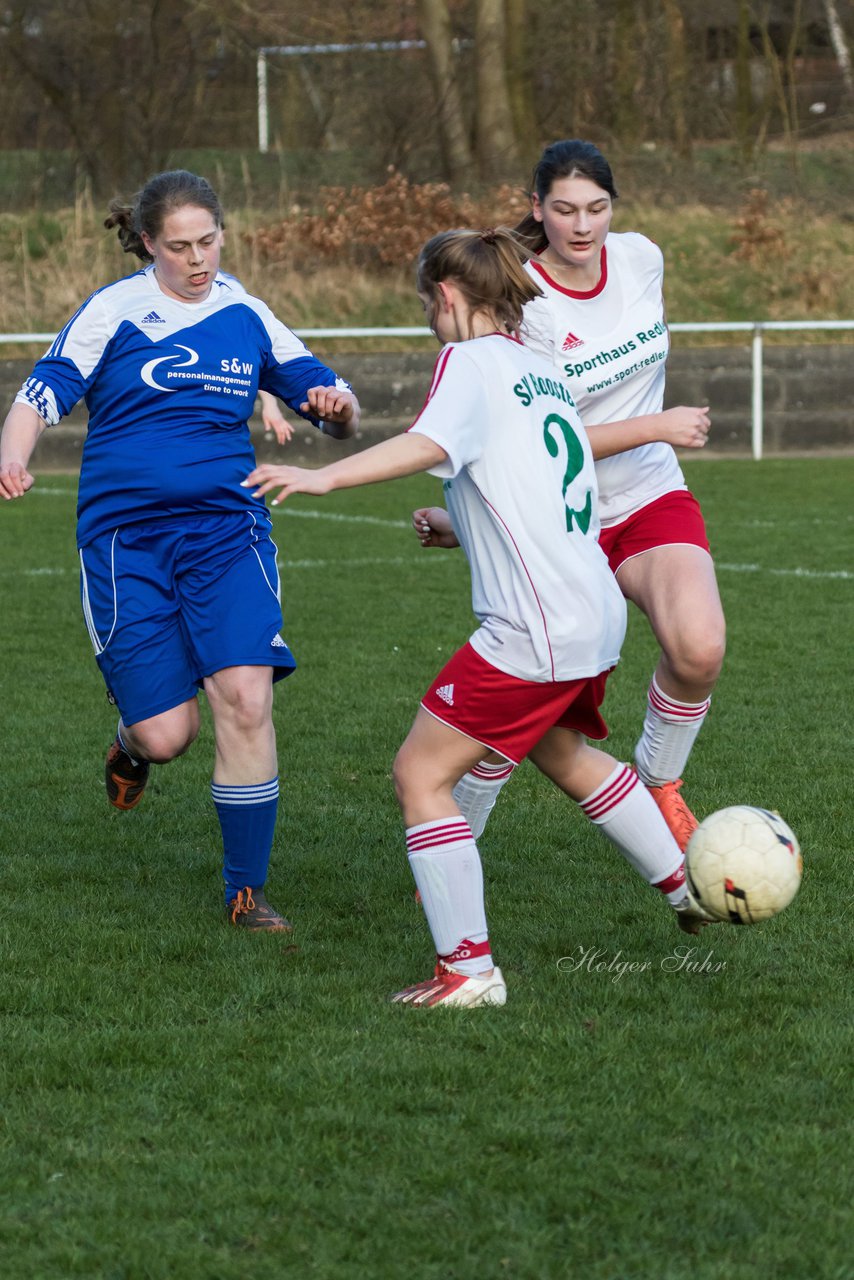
<point>446,865</point>
<point>627,814</point>
<point>673,887</point>
<point>477,791</point>
<point>669,732</point>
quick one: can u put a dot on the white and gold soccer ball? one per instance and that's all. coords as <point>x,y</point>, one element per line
<point>743,864</point>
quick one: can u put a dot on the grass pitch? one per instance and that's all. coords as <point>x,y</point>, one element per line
<point>183,1101</point>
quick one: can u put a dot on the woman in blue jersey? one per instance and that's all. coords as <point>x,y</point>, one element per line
<point>179,582</point>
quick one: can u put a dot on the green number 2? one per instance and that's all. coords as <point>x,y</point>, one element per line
<point>555,429</point>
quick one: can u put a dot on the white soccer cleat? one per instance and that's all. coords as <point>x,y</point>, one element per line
<point>690,916</point>
<point>450,987</point>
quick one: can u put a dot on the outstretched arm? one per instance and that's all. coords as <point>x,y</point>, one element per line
<point>21,430</point>
<point>403,455</point>
<point>683,427</point>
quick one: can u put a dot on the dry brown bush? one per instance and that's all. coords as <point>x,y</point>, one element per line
<point>379,226</point>
<point>757,237</point>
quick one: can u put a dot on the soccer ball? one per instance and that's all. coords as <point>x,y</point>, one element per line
<point>743,864</point>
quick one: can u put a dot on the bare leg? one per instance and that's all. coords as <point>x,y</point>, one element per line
<point>245,789</point>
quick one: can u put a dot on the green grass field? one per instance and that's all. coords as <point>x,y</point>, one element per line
<point>183,1101</point>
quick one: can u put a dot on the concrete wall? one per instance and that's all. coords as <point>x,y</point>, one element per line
<point>809,402</point>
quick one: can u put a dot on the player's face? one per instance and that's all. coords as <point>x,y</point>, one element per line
<point>576,215</point>
<point>186,253</point>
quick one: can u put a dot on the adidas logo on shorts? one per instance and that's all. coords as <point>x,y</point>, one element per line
<point>446,693</point>
<point>277,643</point>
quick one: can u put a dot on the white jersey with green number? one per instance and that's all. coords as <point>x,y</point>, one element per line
<point>521,490</point>
<point>611,344</point>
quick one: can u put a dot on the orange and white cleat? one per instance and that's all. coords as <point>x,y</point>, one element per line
<point>251,910</point>
<point>450,987</point>
<point>675,811</point>
<point>125,780</point>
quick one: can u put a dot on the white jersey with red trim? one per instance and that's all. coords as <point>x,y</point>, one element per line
<point>521,490</point>
<point>611,344</point>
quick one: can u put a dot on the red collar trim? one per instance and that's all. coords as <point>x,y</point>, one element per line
<point>574,293</point>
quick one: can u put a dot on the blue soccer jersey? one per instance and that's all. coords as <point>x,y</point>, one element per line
<point>170,387</point>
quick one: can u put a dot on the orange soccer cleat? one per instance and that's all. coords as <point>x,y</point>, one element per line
<point>125,780</point>
<point>675,811</point>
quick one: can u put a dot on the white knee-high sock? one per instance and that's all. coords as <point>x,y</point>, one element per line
<point>476,792</point>
<point>669,731</point>
<point>627,814</point>
<point>446,866</point>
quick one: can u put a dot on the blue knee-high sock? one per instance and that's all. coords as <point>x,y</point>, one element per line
<point>247,816</point>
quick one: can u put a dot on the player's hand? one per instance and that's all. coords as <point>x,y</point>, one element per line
<point>273,418</point>
<point>15,480</point>
<point>291,479</point>
<point>433,527</point>
<point>330,405</point>
<point>684,427</point>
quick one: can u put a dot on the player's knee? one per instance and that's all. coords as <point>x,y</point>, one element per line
<point>245,701</point>
<point>162,743</point>
<point>700,660</point>
<point>414,781</point>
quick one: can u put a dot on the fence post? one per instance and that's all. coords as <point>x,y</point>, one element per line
<point>263,119</point>
<point>757,393</point>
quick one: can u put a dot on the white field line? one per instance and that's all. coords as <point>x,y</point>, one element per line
<point>335,516</point>
<point>39,489</point>
<point>341,562</point>
<point>342,519</point>
<point>285,565</point>
<point>842,575</point>
<point>776,524</point>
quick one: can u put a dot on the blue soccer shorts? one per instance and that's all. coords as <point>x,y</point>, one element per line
<point>173,600</point>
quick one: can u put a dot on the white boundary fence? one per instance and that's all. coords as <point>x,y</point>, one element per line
<point>755,327</point>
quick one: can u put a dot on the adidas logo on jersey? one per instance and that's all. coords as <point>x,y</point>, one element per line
<point>446,693</point>
<point>153,318</point>
<point>570,342</point>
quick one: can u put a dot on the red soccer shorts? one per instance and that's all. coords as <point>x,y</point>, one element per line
<point>507,714</point>
<point>671,519</point>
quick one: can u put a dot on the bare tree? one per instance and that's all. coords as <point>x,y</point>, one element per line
<point>783,79</point>
<point>520,53</point>
<point>677,68</point>
<point>840,45</point>
<point>627,35</point>
<point>743,88</point>
<point>436,28</point>
<point>497,152</point>
<point>121,89</point>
